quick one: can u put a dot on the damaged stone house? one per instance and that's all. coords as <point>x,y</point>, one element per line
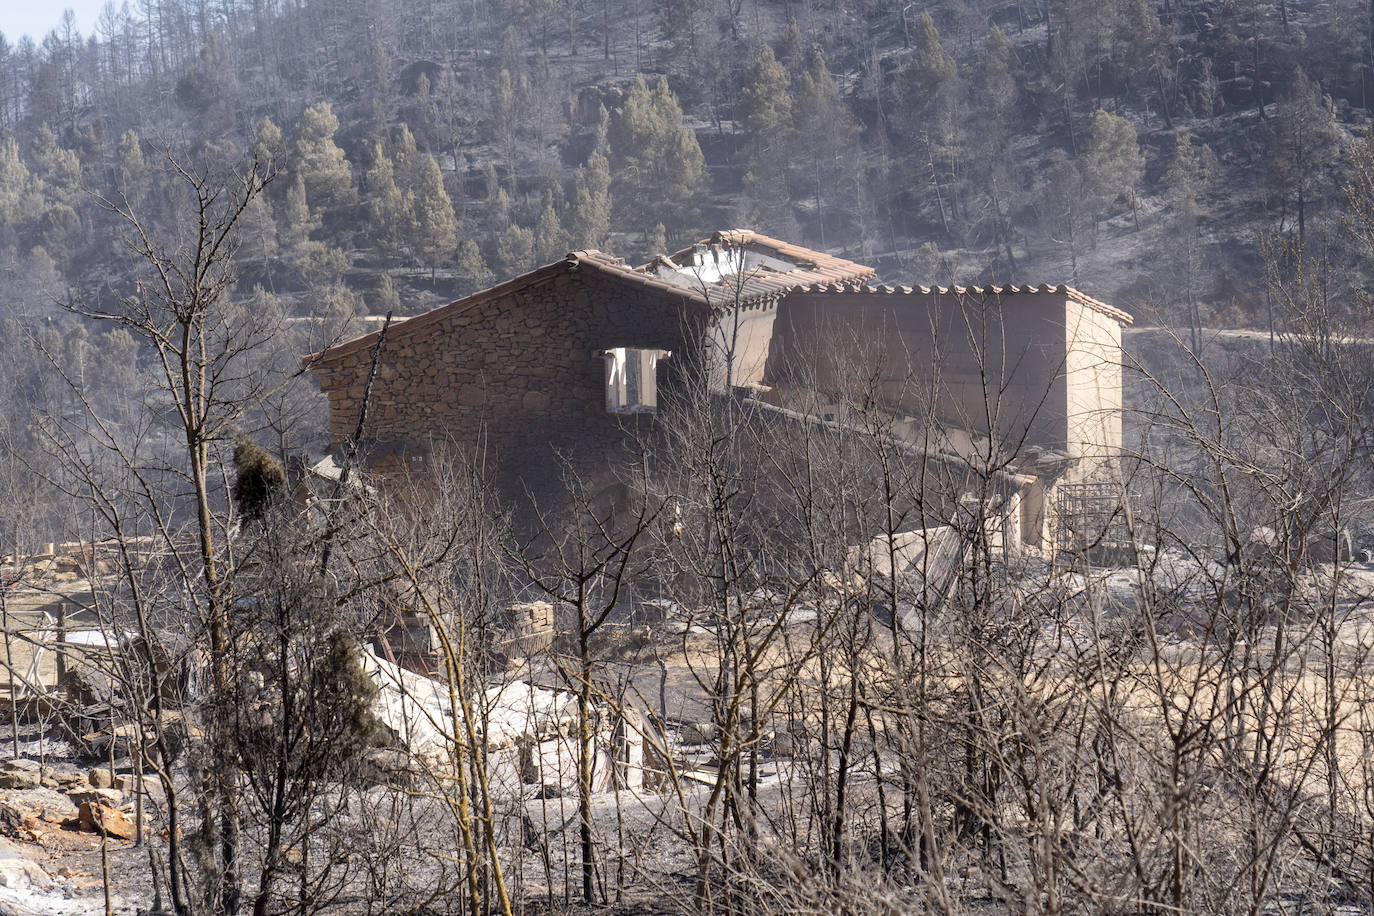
<point>555,368</point>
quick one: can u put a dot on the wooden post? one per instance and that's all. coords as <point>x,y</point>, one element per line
<point>61,642</point>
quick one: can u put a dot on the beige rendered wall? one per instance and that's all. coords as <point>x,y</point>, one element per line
<point>1094,392</point>
<point>981,363</point>
<point>740,341</point>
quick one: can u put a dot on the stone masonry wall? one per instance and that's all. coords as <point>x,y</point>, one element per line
<point>518,374</point>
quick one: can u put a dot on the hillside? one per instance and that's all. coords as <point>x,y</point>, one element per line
<point>943,141</point>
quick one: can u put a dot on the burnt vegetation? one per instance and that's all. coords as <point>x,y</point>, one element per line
<point>798,647</point>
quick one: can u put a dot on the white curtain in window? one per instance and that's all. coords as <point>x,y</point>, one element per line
<point>631,379</point>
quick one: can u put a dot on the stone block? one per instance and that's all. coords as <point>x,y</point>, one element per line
<point>97,818</point>
<point>110,797</point>
<point>20,774</point>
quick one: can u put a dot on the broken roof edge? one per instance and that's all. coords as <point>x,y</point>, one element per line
<point>819,265</point>
<point>797,253</point>
<point>597,261</point>
<point>1111,311</point>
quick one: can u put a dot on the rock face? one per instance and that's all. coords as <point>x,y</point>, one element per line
<point>97,818</point>
<point>110,797</point>
<point>18,872</point>
<point>65,779</point>
<point>20,774</point>
<point>697,733</point>
<point>44,804</point>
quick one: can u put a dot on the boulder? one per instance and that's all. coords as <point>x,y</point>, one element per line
<point>20,774</point>
<point>46,804</point>
<point>386,766</point>
<point>97,818</point>
<point>697,733</point>
<point>17,821</point>
<point>66,779</point>
<point>17,872</point>
<point>110,797</point>
<point>101,778</point>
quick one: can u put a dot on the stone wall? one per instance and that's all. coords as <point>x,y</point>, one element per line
<point>518,374</point>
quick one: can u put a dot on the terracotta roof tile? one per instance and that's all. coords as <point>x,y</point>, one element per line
<point>982,291</point>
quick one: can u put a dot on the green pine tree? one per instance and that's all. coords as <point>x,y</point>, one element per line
<point>590,218</point>
<point>1114,163</point>
<point>660,161</point>
<point>269,144</point>
<point>515,250</point>
<point>472,266</point>
<point>388,215</point>
<point>550,242</point>
<point>321,163</point>
<point>18,188</point>
<point>131,168</point>
<point>436,228</point>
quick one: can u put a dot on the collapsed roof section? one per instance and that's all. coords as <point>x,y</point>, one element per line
<point>739,267</point>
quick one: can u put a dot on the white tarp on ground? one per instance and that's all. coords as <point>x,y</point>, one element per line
<point>419,710</point>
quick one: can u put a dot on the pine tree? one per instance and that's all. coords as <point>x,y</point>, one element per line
<point>387,210</point>
<point>407,161</point>
<point>790,46</point>
<point>379,87</point>
<point>765,113</point>
<point>1189,170</point>
<point>318,266</point>
<point>472,266</point>
<point>658,240</point>
<point>590,218</point>
<point>131,168</point>
<point>661,165</point>
<point>1143,49</point>
<point>997,94</point>
<point>58,170</point>
<point>297,222</point>
<point>340,308</point>
<point>930,94</point>
<point>550,242</point>
<point>387,298</point>
<point>436,228</point>
<point>17,190</point>
<point>765,105</point>
<point>259,232</point>
<point>829,174</point>
<point>924,79</point>
<point>1305,142</point>
<point>321,163</point>
<point>1114,164</point>
<point>498,209</point>
<point>515,250</point>
<point>269,144</point>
